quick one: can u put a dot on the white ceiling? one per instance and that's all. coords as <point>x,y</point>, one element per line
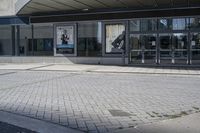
<point>45,6</point>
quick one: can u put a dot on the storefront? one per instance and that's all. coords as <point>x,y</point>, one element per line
<point>146,37</point>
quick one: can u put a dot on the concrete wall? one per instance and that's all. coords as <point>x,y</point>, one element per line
<point>7,7</point>
<point>65,60</point>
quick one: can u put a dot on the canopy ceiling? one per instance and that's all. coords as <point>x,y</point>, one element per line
<point>39,7</point>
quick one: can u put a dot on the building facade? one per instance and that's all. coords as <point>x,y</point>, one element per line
<point>136,32</point>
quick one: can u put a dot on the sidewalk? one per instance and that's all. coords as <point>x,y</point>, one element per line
<point>186,124</point>
<point>102,69</point>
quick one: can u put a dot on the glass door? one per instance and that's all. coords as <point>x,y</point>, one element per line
<point>136,49</point>
<point>149,42</point>
<point>179,48</point>
<point>143,48</point>
<point>195,48</point>
<point>165,49</point>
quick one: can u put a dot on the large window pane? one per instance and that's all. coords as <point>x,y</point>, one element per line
<point>165,24</point>
<point>135,25</point>
<point>136,48</point>
<point>115,38</point>
<point>89,39</point>
<point>195,48</point>
<point>6,40</point>
<point>143,48</point>
<point>148,25</point>
<point>25,45</point>
<point>143,25</point>
<point>195,23</point>
<point>179,24</point>
<point>43,40</point>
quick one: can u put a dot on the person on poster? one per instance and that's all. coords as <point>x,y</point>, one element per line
<point>119,42</point>
<point>65,38</point>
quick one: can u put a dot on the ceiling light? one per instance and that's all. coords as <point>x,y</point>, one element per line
<point>85,9</point>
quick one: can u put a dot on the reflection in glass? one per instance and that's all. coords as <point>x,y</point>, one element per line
<point>136,48</point>
<point>179,48</point>
<point>89,39</point>
<point>43,40</point>
<point>179,24</point>
<point>135,25</point>
<point>165,24</point>
<point>148,24</point>
<point>195,48</point>
<point>195,23</point>
<point>143,48</point>
<point>115,38</point>
<point>6,40</point>
<point>143,25</point>
<point>25,48</point>
<point>165,48</point>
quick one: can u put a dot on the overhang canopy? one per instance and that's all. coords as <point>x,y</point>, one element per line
<point>42,7</point>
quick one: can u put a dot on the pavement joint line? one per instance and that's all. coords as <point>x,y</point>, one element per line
<point>40,67</point>
<point>8,73</point>
<point>35,118</point>
<point>2,89</point>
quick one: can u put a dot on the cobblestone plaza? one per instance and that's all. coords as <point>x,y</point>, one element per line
<point>98,102</point>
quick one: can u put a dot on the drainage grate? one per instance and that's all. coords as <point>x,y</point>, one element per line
<point>120,113</point>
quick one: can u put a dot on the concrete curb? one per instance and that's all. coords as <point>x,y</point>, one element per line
<point>34,124</point>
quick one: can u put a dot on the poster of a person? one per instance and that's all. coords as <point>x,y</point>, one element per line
<point>65,37</point>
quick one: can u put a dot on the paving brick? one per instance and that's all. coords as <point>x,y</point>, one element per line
<point>83,100</point>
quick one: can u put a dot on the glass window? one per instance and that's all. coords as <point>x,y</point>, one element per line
<point>195,23</point>
<point>143,25</point>
<point>135,25</point>
<point>143,48</point>
<point>115,38</point>
<point>148,25</point>
<point>6,40</point>
<point>179,24</point>
<point>165,24</point>
<point>195,48</point>
<point>136,48</point>
<point>89,39</point>
<point>43,40</point>
<point>25,42</point>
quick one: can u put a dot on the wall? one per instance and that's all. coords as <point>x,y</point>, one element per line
<point>7,7</point>
<point>65,60</point>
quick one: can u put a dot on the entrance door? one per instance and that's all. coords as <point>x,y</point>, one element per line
<point>165,49</point>
<point>179,48</point>
<point>195,48</point>
<point>143,48</point>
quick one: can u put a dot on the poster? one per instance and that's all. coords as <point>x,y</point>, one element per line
<point>65,39</point>
<point>115,38</point>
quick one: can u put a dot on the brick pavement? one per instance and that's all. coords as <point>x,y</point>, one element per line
<point>97,102</point>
